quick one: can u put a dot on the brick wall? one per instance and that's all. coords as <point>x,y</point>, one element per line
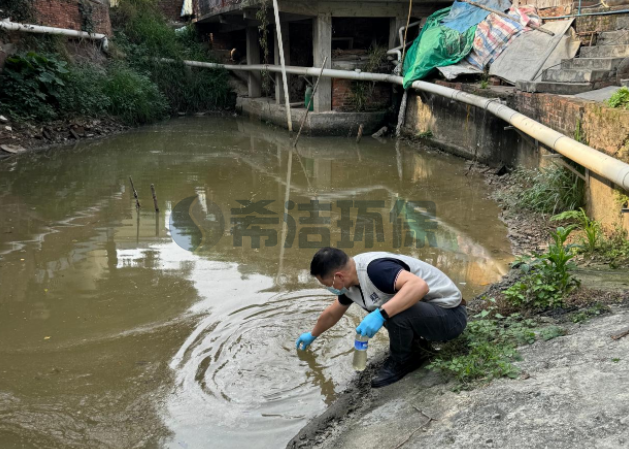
<point>343,99</point>
<point>66,14</point>
<point>171,9</point>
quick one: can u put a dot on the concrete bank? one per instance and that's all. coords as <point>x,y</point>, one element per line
<point>573,393</point>
<point>331,123</point>
<point>475,134</point>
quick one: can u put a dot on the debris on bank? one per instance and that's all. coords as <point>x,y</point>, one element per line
<point>18,137</point>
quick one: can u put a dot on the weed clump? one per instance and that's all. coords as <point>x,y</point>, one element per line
<point>547,190</point>
<point>620,99</point>
<point>486,349</point>
<point>546,279</point>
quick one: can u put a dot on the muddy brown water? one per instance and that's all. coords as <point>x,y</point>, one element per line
<point>120,329</point>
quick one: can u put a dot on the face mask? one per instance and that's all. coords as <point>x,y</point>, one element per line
<point>336,291</point>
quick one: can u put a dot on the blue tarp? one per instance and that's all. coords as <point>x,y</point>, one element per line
<point>464,16</point>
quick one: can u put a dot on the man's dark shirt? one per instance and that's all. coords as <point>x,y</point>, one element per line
<point>383,273</point>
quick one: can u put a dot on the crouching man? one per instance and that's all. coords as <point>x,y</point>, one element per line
<point>413,300</point>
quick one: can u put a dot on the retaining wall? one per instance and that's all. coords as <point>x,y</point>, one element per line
<point>474,133</point>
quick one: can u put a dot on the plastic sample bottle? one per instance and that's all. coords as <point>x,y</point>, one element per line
<point>360,352</point>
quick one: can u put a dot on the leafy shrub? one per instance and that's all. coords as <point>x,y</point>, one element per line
<point>620,99</point>
<point>546,278</point>
<point>133,96</point>
<point>549,190</point>
<point>83,94</point>
<point>31,85</point>
<point>486,349</point>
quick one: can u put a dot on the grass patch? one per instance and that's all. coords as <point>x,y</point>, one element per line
<point>548,190</point>
<point>591,312</point>
<point>425,134</point>
<point>486,350</point>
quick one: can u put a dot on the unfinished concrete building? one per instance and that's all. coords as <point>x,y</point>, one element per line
<point>350,34</point>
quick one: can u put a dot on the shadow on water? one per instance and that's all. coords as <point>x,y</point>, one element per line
<point>122,328</point>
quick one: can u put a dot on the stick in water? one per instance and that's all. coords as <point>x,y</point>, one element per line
<point>135,194</point>
<point>360,133</point>
<point>303,120</point>
<point>154,198</point>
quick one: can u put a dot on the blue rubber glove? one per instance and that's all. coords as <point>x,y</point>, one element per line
<point>305,340</point>
<point>371,324</point>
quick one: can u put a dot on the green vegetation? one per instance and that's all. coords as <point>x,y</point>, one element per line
<point>546,279</point>
<point>484,84</point>
<point>592,228</point>
<point>362,91</point>
<point>578,132</point>
<point>135,84</point>
<point>593,311</point>
<point>44,87</point>
<point>486,349</point>
<point>144,36</point>
<point>613,248</point>
<point>425,134</point>
<point>620,99</point>
<point>548,190</point>
<point>17,10</point>
<point>550,332</point>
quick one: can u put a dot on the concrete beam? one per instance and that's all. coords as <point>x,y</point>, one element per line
<point>253,57</point>
<point>279,85</point>
<point>355,9</point>
<point>322,47</point>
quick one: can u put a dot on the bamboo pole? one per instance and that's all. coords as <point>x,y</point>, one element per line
<point>154,198</point>
<point>314,91</point>
<point>280,46</point>
<point>135,193</point>
<point>506,16</point>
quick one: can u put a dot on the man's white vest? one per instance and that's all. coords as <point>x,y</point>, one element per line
<point>443,292</point>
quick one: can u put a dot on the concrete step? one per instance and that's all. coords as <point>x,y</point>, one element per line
<point>605,51</point>
<point>575,75</point>
<point>591,63</point>
<point>613,38</point>
<point>553,88</point>
<point>624,83</point>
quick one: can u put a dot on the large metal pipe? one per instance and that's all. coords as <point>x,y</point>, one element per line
<point>606,166</point>
<point>38,29</point>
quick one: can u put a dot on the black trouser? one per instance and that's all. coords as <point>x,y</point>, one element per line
<point>423,320</point>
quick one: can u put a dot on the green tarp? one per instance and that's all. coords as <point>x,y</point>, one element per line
<point>436,46</point>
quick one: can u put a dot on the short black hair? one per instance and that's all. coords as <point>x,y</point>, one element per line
<point>327,260</point>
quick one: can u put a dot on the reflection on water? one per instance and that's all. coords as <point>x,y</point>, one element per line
<point>127,329</point>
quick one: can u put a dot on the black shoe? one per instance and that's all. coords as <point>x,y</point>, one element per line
<point>392,371</point>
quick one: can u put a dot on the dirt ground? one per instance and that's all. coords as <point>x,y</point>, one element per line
<point>573,393</point>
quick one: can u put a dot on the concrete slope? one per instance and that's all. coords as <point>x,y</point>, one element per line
<point>575,394</point>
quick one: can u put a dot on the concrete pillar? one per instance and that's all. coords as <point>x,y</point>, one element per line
<point>395,23</point>
<point>279,84</point>
<point>322,47</point>
<point>253,57</point>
